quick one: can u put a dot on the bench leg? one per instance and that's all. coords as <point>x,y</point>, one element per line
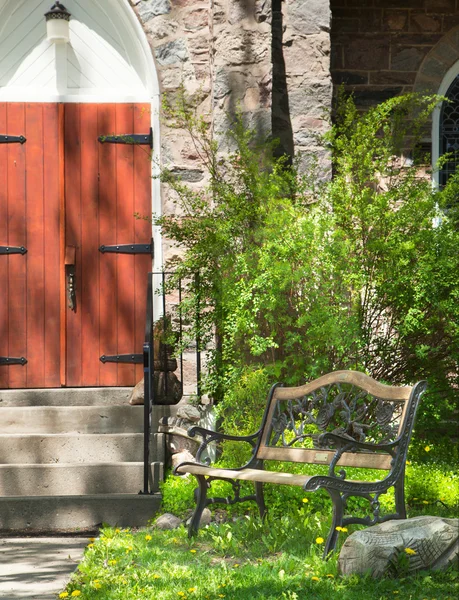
<point>399,491</point>
<point>260,499</point>
<point>201,503</point>
<point>337,520</point>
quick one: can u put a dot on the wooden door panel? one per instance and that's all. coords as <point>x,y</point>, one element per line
<point>4,262</point>
<point>105,185</point>
<point>107,272</point>
<point>30,287</point>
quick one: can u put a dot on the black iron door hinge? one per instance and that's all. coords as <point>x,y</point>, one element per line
<point>12,139</point>
<point>135,359</point>
<point>128,249</point>
<point>139,139</point>
<point>7,360</point>
<point>12,250</point>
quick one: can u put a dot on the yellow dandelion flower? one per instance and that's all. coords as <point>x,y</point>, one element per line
<point>90,545</point>
<point>112,562</point>
<point>344,529</point>
<point>191,590</point>
<point>320,540</point>
<point>425,502</point>
<point>330,575</point>
<point>305,500</point>
<point>193,551</point>
<point>156,576</point>
<point>181,594</point>
<point>236,565</point>
<point>97,585</point>
<point>128,549</point>
<point>314,578</point>
<point>148,538</point>
<point>408,462</point>
<point>75,593</point>
<point>92,540</point>
<point>63,595</point>
<point>117,530</point>
<point>427,448</point>
<point>410,551</point>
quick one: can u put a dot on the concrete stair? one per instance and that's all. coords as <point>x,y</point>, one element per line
<point>73,459</point>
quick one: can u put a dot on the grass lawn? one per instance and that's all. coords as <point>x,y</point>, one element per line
<point>245,559</point>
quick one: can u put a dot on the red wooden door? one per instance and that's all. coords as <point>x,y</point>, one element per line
<point>30,217</point>
<point>63,194</point>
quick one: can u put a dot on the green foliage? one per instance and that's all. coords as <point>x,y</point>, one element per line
<point>295,279</point>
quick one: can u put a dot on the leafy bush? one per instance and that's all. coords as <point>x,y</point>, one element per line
<point>295,279</point>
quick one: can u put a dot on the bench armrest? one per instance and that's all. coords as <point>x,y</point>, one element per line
<point>209,436</point>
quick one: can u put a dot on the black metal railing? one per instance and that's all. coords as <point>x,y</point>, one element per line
<point>149,361</point>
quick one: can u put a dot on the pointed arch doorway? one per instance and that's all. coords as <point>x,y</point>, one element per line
<point>64,194</point>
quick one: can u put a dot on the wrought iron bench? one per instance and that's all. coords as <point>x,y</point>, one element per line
<point>343,419</point>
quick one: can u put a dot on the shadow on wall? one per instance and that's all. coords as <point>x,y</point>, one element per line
<point>267,121</point>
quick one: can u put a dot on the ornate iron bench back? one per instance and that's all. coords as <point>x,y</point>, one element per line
<point>346,403</point>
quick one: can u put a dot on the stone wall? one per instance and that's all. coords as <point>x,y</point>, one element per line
<point>268,58</point>
<point>382,48</point>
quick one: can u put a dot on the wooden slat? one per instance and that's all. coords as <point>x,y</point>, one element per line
<point>35,246</point>
<point>18,265</point>
<point>90,255</point>
<point>52,255</point>
<point>142,228</point>
<point>359,379</point>
<point>125,233</point>
<point>73,213</point>
<point>246,475</point>
<point>324,457</point>
<point>4,260</point>
<point>106,123</point>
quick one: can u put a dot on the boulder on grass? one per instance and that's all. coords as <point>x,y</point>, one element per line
<point>167,521</point>
<point>401,547</point>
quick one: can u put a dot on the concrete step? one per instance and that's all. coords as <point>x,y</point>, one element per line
<point>66,397</point>
<point>68,448</point>
<point>70,479</point>
<point>78,419</point>
<point>59,514</point>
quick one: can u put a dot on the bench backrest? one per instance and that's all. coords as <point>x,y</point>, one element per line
<point>347,403</point>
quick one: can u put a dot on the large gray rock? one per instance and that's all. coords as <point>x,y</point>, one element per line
<point>401,546</point>
<point>167,521</point>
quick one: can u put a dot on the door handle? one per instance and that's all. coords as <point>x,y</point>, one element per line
<point>70,256</point>
<point>71,293</point>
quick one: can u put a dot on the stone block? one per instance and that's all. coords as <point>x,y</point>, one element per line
<point>160,28</point>
<point>188,175</point>
<point>407,58</point>
<point>239,47</point>
<point>396,20</point>
<point>172,52</point>
<point>370,19</point>
<point>442,6</point>
<point>350,77</point>
<point>420,22</point>
<point>196,19</point>
<point>313,51</point>
<point>392,78</point>
<point>309,17</point>
<point>367,53</point>
<point>148,9</point>
<point>401,546</point>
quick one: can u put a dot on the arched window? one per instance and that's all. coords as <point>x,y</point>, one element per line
<point>449,131</point>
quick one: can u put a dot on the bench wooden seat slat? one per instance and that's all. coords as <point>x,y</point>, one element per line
<point>342,419</point>
<point>247,475</point>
